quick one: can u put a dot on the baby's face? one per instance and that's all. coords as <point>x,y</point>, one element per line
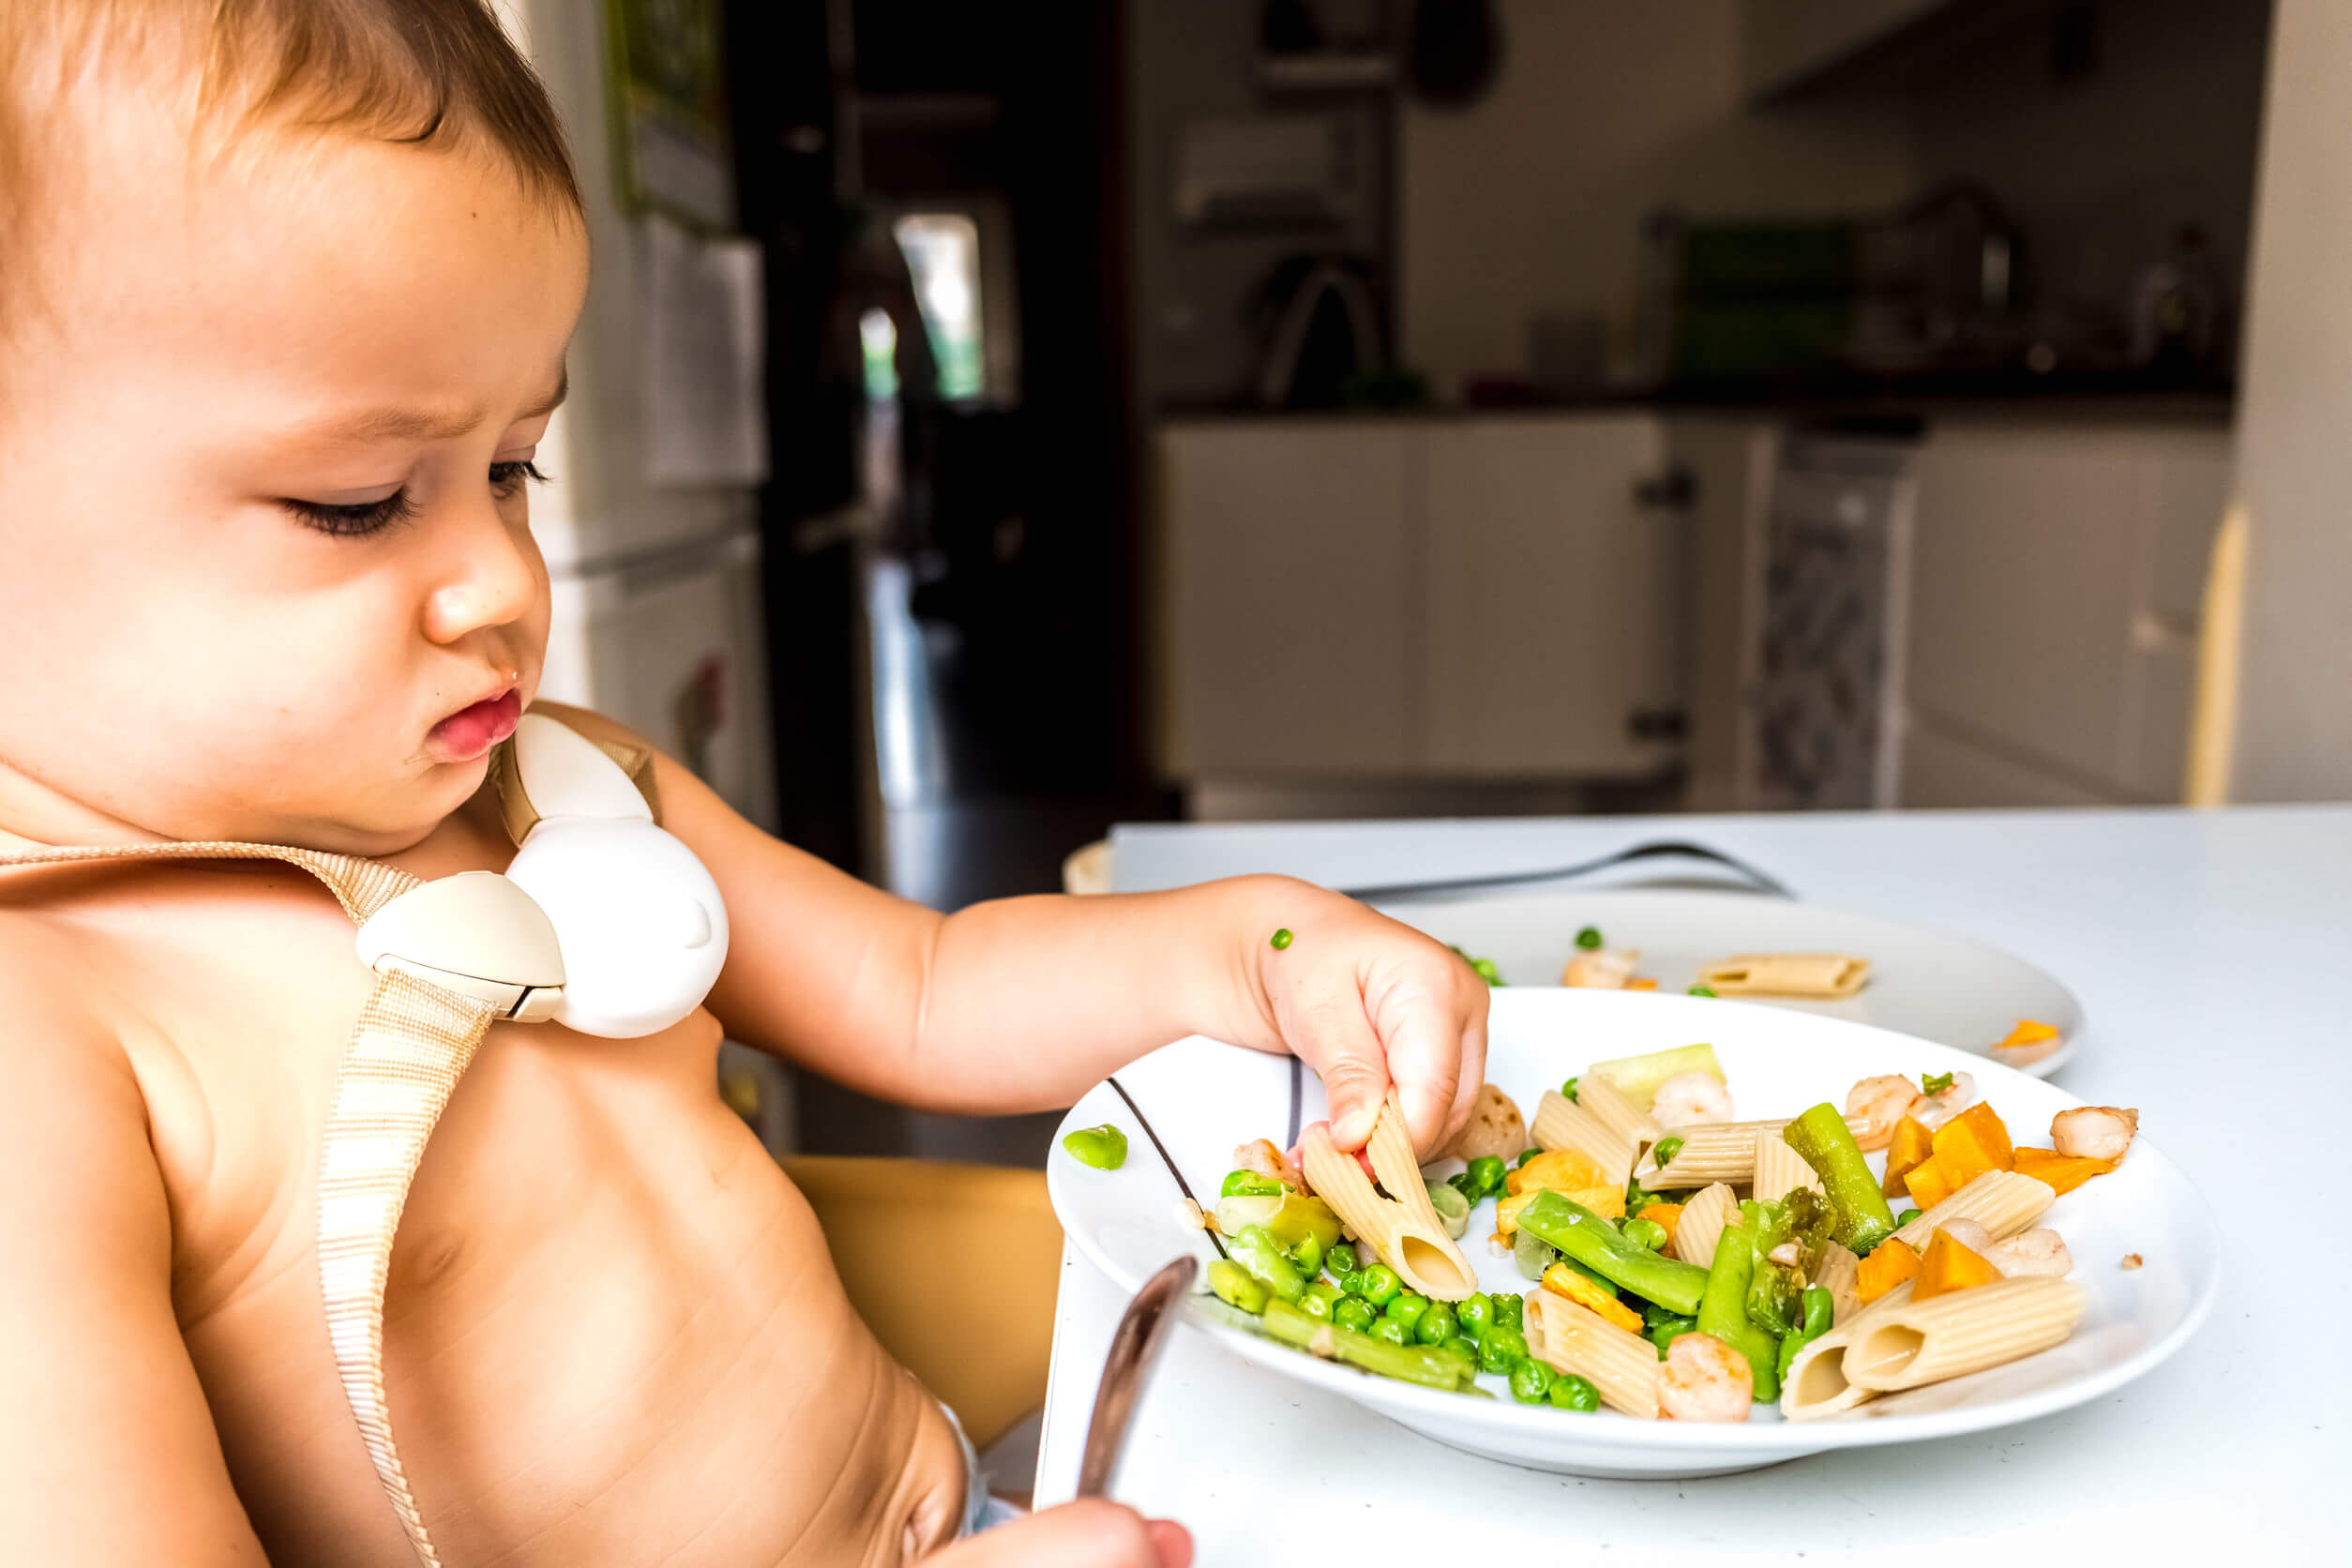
<point>263,512</point>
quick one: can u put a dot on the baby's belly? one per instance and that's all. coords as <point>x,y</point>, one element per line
<point>613,1336</point>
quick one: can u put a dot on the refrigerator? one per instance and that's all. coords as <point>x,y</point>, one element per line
<point>650,521</point>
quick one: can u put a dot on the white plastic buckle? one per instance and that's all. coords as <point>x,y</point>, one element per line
<point>477,934</point>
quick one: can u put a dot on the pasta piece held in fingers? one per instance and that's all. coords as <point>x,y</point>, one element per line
<point>1403,1227</point>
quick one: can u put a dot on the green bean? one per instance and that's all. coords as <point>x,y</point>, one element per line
<point>1340,1259</point>
<point>1486,1171</point>
<point>1588,939</point>
<point>1412,1364</point>
<point>1723,1311</point>
<point>1475,1315</point>
<point>1104,1147</point>
<point>1531,1382</point>
<point>1235,1288</point>
<point>1407,1308</point>
<point>1644,1233</point>
<point>1255,1250</point>
<point>1393,1332</point>
<point>1378,1285</point>
<point>1248,1183</point>
<point>1570,1392</point>
<point>1667,1330</point>
<point>1349,1312</point>
<point>1590,1240</point>
<point>1821,1311</point>
<point>1282,939</point>
<point>1436,1325</point>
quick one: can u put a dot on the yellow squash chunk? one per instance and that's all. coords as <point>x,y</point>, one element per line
<point>1890,1263</point>
<point>1947,1266</point>
<point>1561,1170</point>
<point>1932,1181</point>
<point>2063,1172</point>
<point>1974,1140</point>
<point>1913,1143</point>
<point>1561,1280</point>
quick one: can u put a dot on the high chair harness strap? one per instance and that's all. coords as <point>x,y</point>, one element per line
<point>412,1041</point>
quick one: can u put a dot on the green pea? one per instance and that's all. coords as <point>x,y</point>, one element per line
<point>1282,939</point>
<point>1485,968</point>
<point>1531,1381</point>
<point>1667,1331</point>
<point>1502,1349</point>
<point>1104,1147</point>
<point>1309,1254</point>
<point>1317,1307</point>
<point>1569,1089</point>
<point>1378,1286</point>
<point>1524,1156</point>
<point>1248,1183</point>
<point>1905,1218</point>
<point>1391,1330</point>
<point>1349,1312</point>
<point>1821,1311</point>
<point>1340,1259</point>
<point>1702,990</point>
<point>1476,1315</point>
<point>1666,1149</point>
<point>1236,1287</point>
<point>1407,1308</point>
<point>1590,938</point>
<point>1645,1233</point>
<point>1437,1324</point>
<point>1509,1311</point>
<point>1460,1182</point>
<point>1570,1392</point>
<point>1463,1346</point>
<point>1325,1292</point>
<point>1486,1171</point>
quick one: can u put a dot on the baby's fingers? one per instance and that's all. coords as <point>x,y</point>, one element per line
<point>1089,1534</point>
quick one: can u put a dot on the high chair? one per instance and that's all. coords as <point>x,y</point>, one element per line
<point>954,1268</point>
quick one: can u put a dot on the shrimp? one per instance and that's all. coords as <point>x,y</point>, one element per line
<point>2039,1251</point>
<point>1261,1157</point>
<point>1881,1102</point>
<point>1971,1233</point>
<point>1604,969</point>
<point>1688,1099</point>
<point>1705,1379</point>
<point>1933,1110</point>
<point>2094,1132</point>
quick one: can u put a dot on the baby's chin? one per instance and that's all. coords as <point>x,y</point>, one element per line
<point>379,823</point>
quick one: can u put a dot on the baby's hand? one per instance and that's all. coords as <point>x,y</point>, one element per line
<point>1091,1534</point>
<point>1365,1001</point>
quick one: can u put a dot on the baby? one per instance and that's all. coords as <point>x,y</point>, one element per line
<point>285,287</point>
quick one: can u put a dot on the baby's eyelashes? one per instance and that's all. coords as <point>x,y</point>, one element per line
<point>364,519</point>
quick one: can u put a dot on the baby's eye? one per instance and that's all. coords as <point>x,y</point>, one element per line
<point>354,520</point>
<point>508,478</point>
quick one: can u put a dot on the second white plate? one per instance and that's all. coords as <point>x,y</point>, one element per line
<point>1948,988</point>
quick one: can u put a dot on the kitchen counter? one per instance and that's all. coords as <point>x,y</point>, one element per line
<point>2203,947</point>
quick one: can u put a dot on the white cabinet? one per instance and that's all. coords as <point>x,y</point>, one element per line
<point>1369,598</point>
<point>2055,595</point>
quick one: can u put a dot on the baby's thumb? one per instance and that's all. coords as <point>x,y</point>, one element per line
<point>1091,1535</point>
<point>1345,1053</point>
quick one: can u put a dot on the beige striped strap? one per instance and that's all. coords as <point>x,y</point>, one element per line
<point>412,1043</point>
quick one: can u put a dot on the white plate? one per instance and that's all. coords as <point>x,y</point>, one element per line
<point>1201,1098</point>
<point>1944,987</point>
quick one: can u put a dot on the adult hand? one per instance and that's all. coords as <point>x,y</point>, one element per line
<point>1089,1534</point>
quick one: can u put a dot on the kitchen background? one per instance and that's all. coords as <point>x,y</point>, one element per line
<point>994,422</point>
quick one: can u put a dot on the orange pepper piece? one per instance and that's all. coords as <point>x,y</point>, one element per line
<point>1931,1181</point>
<point>1974,1140</point>
<point>1912,1146</point>
<point>1890,1263</point>
<point>1948,1266</point>
<point>2064,1172</point>
<point>1561,1280</point>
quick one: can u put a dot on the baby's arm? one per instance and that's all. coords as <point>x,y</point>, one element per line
<point>108,1455</point>
<point>1021,1003</point>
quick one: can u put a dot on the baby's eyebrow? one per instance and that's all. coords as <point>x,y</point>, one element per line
<point>408,424</point>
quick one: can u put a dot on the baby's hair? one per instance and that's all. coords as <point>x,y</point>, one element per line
<point>412,71</point>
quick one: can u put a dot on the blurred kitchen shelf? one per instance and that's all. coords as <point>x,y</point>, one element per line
<point>1326,71</point>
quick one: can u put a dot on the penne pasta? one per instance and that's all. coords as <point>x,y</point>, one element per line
<point>1702,1223</point>
<point>1828,975</point>
<point>1817,1385</point>
<point>1571,1338</point>
<point>1713,1151</point>
<point>1617,1112</point>
<point>1403,1229</point>
<point>1780,1170</point>
<point>1561,1124</point>
<point>1966,1330</point>
<point>1839,1273</point>
<point>2002,1201</point>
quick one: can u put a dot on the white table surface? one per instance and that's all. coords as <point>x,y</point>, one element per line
<point>2212,953</point>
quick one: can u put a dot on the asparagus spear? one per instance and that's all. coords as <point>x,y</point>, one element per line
<point>1723,1310</point>
<point>1425,1364</point>
<point>1820,1135</point>
<point>1593,1241</point>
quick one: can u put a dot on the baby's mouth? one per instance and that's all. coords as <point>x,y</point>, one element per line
<point>471,731</point>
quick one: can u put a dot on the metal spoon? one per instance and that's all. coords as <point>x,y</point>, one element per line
<point>1133,1348</point>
